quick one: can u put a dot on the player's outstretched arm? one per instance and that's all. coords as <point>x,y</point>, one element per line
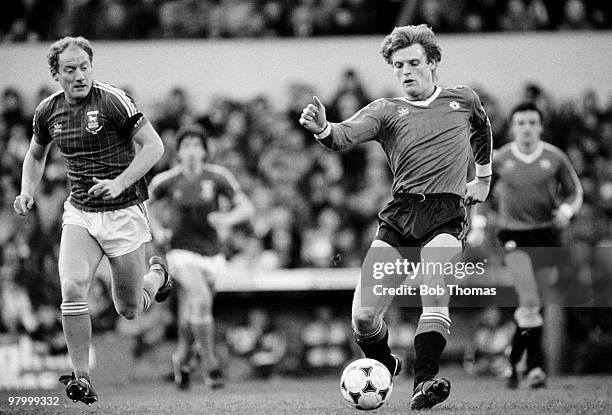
<point>361,127</point>
<point>149,149</point>
<point>570,186</point>
<point>33,169</point>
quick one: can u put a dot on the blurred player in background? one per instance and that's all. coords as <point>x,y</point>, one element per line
<point>193,191</point>
<point>426,138</point>
<point>108,146</point>
<point>537,191</point>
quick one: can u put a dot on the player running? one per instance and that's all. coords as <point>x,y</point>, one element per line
<point>109,146</point>
<point>193,191</point>
<point>426,138</point>
<point>537,192</point>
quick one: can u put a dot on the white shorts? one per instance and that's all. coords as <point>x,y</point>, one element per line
<point>118,232</point>
<point>191,269</point>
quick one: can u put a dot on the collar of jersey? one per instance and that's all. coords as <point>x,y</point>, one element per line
<point>527,158</point>
<point>426,102</point>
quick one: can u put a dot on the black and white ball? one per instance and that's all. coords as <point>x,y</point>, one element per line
<point>366,384</point>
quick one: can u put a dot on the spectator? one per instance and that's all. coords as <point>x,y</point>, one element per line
<point>12,107</point>
<point>259,342</point>
<point>575,16</point>
<point>485,354</point>
<point>327,342</point>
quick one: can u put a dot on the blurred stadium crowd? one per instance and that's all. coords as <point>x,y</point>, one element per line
<point>24,20</point>
<point>314,208</point>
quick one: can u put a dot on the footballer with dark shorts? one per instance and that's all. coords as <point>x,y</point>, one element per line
<point>108,146</point>
<point>426,136</point>
<point>536,193</point>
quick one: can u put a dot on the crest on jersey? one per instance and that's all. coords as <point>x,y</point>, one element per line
<point>207,189</point>
<point>454,105</point>
<point>57,129</point>
<point>403,111</point>
<point>545,164</point>
<point>93,126</point>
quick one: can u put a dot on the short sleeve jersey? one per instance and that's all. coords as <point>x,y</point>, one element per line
<point>427,143</point>
<point>191,199</point>
<point>95,139</point>
<point>528,188</point>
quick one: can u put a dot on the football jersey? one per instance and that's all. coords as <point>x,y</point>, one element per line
<point>94,137</point>
<point>191,199</point>
<point>529,187</point>
<point>426,143</point>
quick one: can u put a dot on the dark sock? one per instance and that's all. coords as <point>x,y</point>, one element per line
<point>535,353</point>
<point>428,347</point>
<point>519,344</point>
<point>377,347</point>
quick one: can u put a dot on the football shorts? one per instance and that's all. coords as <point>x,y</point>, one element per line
<point>118,232</point>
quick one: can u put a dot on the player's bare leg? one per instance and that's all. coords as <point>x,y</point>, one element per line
<point>79,257</point>
<point>203,327</point>
<point>369,328</point>
<point>133,293</point>
<point>183,354</point>
<point>197,321</point>
<point>434,325</point>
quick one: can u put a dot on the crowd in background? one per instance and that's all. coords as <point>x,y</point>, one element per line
<point>24,20</point>
<point>314,208</point>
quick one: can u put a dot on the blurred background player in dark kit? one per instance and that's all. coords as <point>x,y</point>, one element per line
<point>194,192</point>
<point>536,193</point>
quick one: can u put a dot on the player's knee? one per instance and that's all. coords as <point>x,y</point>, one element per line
<point>74,290</point>
<point>364,320</point>
<point>435,301</point>
<point>127,311</point>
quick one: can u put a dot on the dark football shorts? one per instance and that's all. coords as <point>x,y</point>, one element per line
<point>412,220</point>
<point>543,245</point>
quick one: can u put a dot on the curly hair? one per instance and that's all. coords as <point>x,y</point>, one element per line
<point>405,36</point>
<point>61,45</point>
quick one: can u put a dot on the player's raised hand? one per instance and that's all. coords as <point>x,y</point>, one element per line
<point>105,188</point>
<point>23,203</point>
<point>477,191</point>
<point>313,117</point>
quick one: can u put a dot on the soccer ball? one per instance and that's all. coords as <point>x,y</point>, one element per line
<point>366,384</point>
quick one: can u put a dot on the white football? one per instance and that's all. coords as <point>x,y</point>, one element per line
<point>366,384</point>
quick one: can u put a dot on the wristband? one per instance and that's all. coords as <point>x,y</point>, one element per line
<point>324,133</point>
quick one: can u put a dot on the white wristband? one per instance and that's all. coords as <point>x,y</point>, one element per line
<point>326,131</point>
<point>483,170</point>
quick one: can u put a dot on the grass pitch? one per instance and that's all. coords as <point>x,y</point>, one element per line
<point>321,396</point>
